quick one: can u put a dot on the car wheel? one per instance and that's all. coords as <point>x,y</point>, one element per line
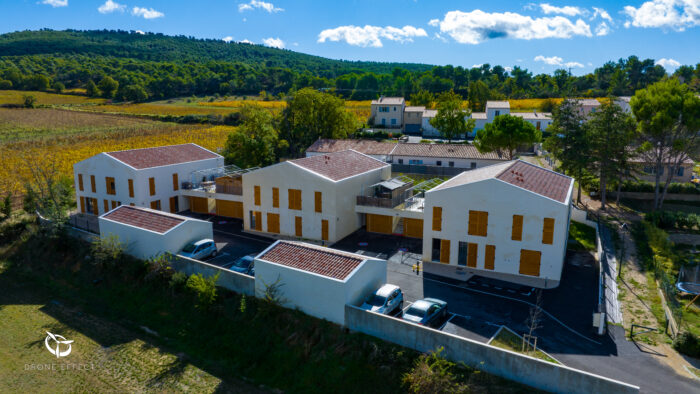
<point>213,254</point>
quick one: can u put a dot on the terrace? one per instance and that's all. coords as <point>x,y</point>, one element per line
<point>397,193</point>
<point>224,180</point>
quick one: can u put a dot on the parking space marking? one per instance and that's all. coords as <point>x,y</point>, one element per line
<point>518,300</point>
<point>407,306</point>
<point>244,237</point>
<point>448,320</point>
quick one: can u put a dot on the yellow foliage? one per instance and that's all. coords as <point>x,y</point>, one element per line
<point>65,152</point>
<point>159,109</point>
<point>240,103</point>
<point>43,98</point>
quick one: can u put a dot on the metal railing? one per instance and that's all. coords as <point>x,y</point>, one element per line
<point>85,222</point>
<point>229,189</point>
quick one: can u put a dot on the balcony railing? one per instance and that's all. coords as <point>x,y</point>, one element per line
<point>229,189</point>
<point>384,202</point>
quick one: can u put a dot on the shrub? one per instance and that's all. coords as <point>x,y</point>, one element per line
<point>648,187</point>
<point>107,252</point>
<point>203,288</point>
<point>178,281</point>
<point>688,344</point>
<point>673,220</point>
<point>6,207</point>
<point>158,268</point>
<point>29,101</point>
<point>432,373</point>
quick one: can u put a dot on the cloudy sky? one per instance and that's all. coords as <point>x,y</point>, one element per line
<point>541,36</point>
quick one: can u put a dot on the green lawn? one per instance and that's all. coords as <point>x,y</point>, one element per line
<point>505,339</point>
<point>583,237</point>
<point>52,284</point>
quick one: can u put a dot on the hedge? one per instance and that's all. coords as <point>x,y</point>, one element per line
<point>648,187</point>
<point>673,220</point>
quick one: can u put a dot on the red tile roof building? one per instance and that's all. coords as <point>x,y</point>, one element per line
<point>318,260</point>
<point>162,155</point>
<point>144,218</point>
<point>339,165</point>
<point>537,180</point>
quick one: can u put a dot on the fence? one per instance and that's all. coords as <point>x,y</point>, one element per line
<point>510,365</point>
<point>84,222</point>
<point>673,310</point>
<point>427,170</point>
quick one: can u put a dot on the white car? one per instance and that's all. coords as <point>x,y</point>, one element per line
<point>387,300</point>
<point>200,249</point>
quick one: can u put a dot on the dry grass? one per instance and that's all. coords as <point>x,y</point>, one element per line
<point>160,109</point>
<point>43,98</point>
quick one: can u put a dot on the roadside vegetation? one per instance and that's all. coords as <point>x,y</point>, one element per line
<point>583,237</point>
<point>149,328</point>
<point>506,339</point>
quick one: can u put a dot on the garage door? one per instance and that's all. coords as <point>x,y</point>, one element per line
<point>231,209</point>
<point>379,224</point>
<point>530,262</point>
<point>199,205</point>
<point>413,228</point>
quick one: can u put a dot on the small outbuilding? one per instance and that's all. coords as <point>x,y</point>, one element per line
<point>317,280</point>
<point>147,232</point>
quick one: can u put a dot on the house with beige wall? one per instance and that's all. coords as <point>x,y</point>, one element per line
<point>388,112</point>
<point>413,119</point>
<point>507,221</point>
<point>148,177</point>
<point>310,198</point>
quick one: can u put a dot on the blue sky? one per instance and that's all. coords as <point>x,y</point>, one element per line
<point>540,36</point>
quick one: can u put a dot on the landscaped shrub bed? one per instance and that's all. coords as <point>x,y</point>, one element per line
<point>648,187</point>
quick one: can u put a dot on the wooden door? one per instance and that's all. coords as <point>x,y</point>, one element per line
<point>297,226</point>
<point>413,228</point>
<point>445,251</point>
<point>324,230</point>
<point>379,224</point>
<point>530,262</point>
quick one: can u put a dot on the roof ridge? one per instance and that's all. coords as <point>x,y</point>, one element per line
<point>155,147</point>
<point>324,249</point>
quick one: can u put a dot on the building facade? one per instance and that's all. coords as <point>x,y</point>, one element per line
<point>388,112</point>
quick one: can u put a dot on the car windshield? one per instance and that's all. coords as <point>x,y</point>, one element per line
<point>189,248</point>
<point>376,300</point>
<point>242,263</point>
<point>415,312</point>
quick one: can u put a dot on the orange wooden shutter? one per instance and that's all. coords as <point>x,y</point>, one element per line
<point>548,231</point>
<point>152,186</point>
<point>324,230</point>
<point>490,257</point>
<point>80,182</point>
<point>82,204</point>
<point>478,223</point>
<point>297,226</point>
<point>275,197</point>
<point>483,223</point>
<point>173,202</point>
<point>437,218</point>
<point>318,202</point>
<point>530,262</point>
<point>176,184</point>
<point>94,206</point>
<point>92,184</point>
<point>131,188</point>
<point>258,221</point>
<point>517,231</point>
<point>106,205</point>
<point>471,254</point>
<point>256,195</point>
<point>290,197</point>
<point>445,251</point>
<point>110,185</point>
<point>155,204</point>
<point>273,223</point>
<point>114,204</point>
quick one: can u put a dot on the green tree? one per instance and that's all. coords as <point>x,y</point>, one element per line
<point>108,86</point>
<point>203,288</point>
<point>91,89</point>
<point>479,93</point>
<point>255,142</point>
<point>58,87</point>
<point>5,84</point>
<point>452,119</point>
<point>432,373</point>
<point>668,118</point>
<point>311,115</point>
<point>38,82</point>
<point>505,134</point>
<point>568,141</point>
<point>135,93</point>
<point>423,98</point>
<point>610,131</point>
<point>6,207</point>
<point>29,101</point>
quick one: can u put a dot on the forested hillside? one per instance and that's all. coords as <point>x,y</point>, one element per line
<point>137,67</point>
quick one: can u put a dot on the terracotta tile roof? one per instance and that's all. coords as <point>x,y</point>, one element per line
<point>389,101</point>
<point>339,165</point>
<point>162,155</point>
<point>144,218</point>
<point>455,151</point>
<point>319,260</point>
<point>537,180</point>
<point>368,147</point>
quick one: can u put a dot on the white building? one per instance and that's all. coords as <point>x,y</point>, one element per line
<point>443,155</point>
<point>145,233</point>
<point>507,221</point>
<point>624,103</point>
<point>412,119</point>
<point>149,177</point>
<point>378,150</point>
<point>588,106</point>
<point>388,112</point>
<point>319,281</point>
<point>310,198</point>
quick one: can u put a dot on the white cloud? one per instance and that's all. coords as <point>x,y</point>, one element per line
<point>477,65</point>
<point>434,22</point>
<point>508,69</point>
<point>599,12</point>
<point>56,3</point>
<point>147,13</point>
<point>227,39</point>
<point>246,41</point>
<point>273,42</point>
<point>602,30</point>
<point>567,10</point>
<point>370,35</point>
<point>477,26</point>
<point>110,6</point>
<point>556,61</point>
<point>668,63</point>
<point>265,6</point>
<point>668,14</point>
<point>139,32</point>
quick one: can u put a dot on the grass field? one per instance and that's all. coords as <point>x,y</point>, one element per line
<point>584,237</point>
<point>506,339</point>
<point>43,98</point>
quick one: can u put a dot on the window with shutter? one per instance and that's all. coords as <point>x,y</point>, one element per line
<point>437,218</point>
<point>82,204</point>
<point>478,223</point>
<point>256,194</point>
<point>297,226</point>
<point>472,254</point>
<point>318,202</point>
<point>548,231</point>
<point>152,186</point>
<point>131,188</point>
<point>176,185</point>
<point>80,182</point>
<point>324,230</point>
<point>445,251</point>
<point>92,184</point>
<point>275,197</point>
<point>490,257</point>
<point>517,231</point>
<point>110,186</point>
<point>295,199</point>
<point>106,205</point>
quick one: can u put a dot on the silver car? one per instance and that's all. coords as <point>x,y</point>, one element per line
<point>426,312</point>
<point>387,300</point>
<point>199,250</point>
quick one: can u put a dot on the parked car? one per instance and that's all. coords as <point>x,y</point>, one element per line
<point>199,250</point>
<point>427,311</point>
<point>244,265</point>
<point>387,300</point>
